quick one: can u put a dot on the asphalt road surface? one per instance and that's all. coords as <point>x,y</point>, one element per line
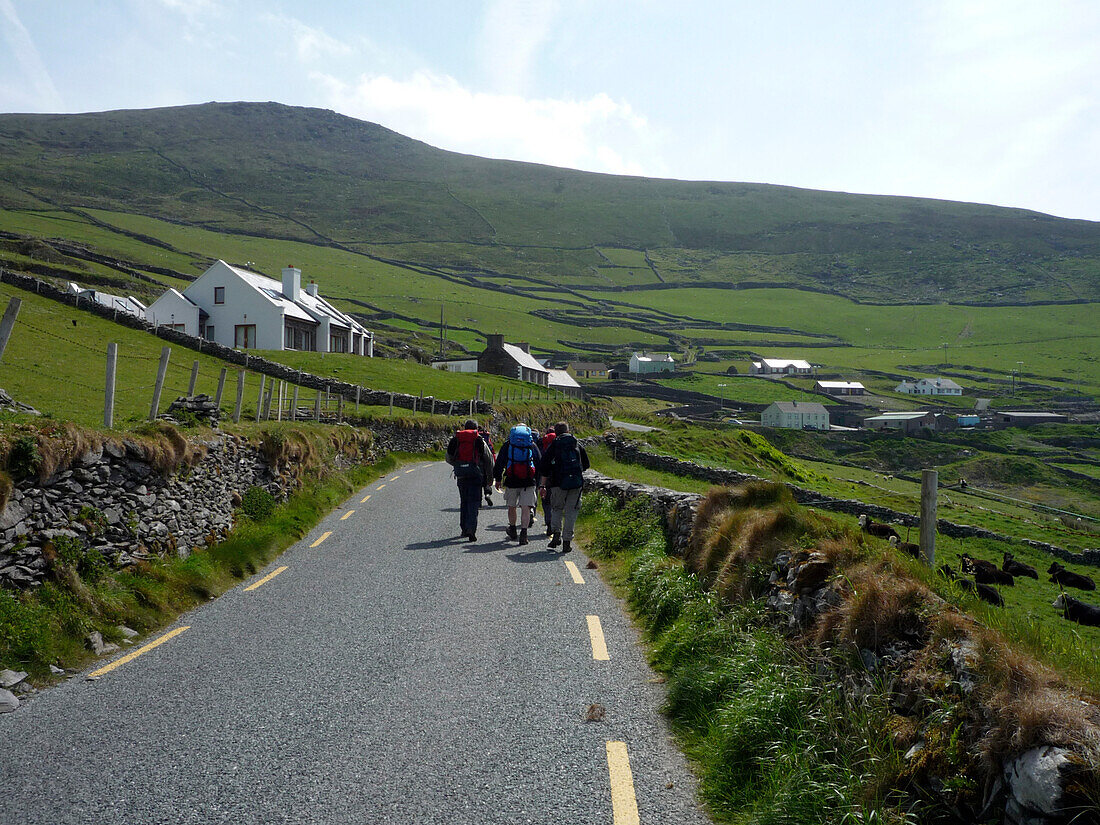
<point>388,673</point>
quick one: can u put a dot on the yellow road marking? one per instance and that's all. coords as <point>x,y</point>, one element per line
<point>395,478</point>
<point>365,499</point>
<point>595,631</point>
<point>413,470</point>
<point>624,805</point>
<point>323,537</point>
<point>574,572</point>
<point>265,579</point>
<point>129,657</point>
<point>348,513</point>
<point>380,486</point>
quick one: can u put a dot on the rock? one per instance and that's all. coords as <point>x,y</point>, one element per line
<point>12,515</point>
<point>127,632</point>
<point>56,671</point>
<point>11,678</point>
<point>1034,780</point>
<point>8,701</point>
<point>98,646</point>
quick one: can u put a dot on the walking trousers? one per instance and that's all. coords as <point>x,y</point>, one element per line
<point>565,506</point>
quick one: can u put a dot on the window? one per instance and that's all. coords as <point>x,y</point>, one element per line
<point>177,327</point>
<point>209,335</point>
<point>219,295</point>
<point>244,336</point>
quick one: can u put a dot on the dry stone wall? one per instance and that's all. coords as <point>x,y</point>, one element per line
<point>631,453</point>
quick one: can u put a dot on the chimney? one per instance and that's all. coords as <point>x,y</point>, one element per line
<point>292,282</point>
<point>495,342</point>
<point>311,288</point>
<point>525,347</point>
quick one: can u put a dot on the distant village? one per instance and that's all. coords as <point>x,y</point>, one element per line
<point>239,308</point>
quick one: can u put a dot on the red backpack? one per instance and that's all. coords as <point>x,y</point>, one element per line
<point>547,440</point>
<point>466,454</point>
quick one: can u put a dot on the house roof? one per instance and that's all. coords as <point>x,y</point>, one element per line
<point>800,407</point>
<point>641,356</point>
<point>307,308</point>
<point>524,359</point>
<point>782,364</point>
<point>942,383</point>
<point>587,365</point>
<point>560,378</point>
<point>1027,414</point>
<point>897,416</point>
<point>841,385</point>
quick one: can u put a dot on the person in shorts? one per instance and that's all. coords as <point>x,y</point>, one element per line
<point>515,471</point>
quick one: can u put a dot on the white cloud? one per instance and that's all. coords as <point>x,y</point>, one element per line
<point>312,44</point>
<point>512,33</point>
<point>35,91</point>
<point>597,134</point>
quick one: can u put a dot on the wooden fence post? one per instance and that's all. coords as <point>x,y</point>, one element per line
<point>109,394</point>
<point>267,400</point>
<point>317,407</point>
<point>194,379</point>
<point>162,368</point>
<point>260,399</point>
<point>279,402</point>
<point>240,397</point>
<point>357,391</point>
<point>294,414</point>
<point>8,322</point>
<point>340,407</point>
<point>929,492</point>
<point>221,388</point>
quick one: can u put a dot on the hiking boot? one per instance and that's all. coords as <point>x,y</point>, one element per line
<point>523,536</point>
<point>488,500</point>
<point>549,531</point>
<point>554,542</point>
<point>471,536</point>
<point>512,532</point>
<point>566,548</point>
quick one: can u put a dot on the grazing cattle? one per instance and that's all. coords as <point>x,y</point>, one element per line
<point>982,591</point>
<point>985,572</point>
<point>1067,578</point>
<point>877,528</point>
<point>1078,611</point>
<point>907,547</point>
<point>1018,568</point>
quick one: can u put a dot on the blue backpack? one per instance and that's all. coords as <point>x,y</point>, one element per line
<point>521,454</point>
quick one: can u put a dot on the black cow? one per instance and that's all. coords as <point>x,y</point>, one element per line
<point>1078,611</point>
<point>982,591</point>
<point>1067,578</point>
<point>1018,568</point>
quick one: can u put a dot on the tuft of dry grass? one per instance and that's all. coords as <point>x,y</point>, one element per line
<point>880,609</point>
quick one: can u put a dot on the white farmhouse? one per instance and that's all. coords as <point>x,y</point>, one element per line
<point>239,308</point>
<point>929,386</point>
<point>642,364</point>
<point>796,415</point>
<point>128,303</point>
<point>780,366</point>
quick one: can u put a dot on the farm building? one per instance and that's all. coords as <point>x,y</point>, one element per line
<point>512,361</point>
<point>840,387</point>
<point>778,366</point>
<point>968,420</point>
<point>563,382</point>
<point>239,308</point>
<point>911,422</point>
<point>795,415</point>
<point>586,369</point>
<point>1009,418</point>
<point>455,364</point>
<point>929,386</point>
<point>128,304</point>
<point>643,364</point>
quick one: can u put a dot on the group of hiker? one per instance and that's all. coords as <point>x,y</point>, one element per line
<point>529,469</point>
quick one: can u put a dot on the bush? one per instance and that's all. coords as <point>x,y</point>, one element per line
<point>24,459</point>
<point>257,503</point>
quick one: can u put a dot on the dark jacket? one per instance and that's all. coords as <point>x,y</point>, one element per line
<point>482,454</point>
<point>549,466</point>
<point>502,465</point>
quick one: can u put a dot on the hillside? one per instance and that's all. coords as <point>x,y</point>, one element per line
<point>311,175</point>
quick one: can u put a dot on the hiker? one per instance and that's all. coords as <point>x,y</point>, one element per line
<point>544,491</point>
<point>472,460</point>
<point>562,470</point>
<point>515,467</point>
<point>487,437</point>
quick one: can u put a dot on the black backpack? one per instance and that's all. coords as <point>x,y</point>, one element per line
<point>569,462</point>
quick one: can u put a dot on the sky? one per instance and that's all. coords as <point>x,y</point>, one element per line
<point>987,101</point>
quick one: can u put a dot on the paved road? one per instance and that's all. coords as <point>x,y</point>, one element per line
<point>389,674</point>
<point>634,428</point>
